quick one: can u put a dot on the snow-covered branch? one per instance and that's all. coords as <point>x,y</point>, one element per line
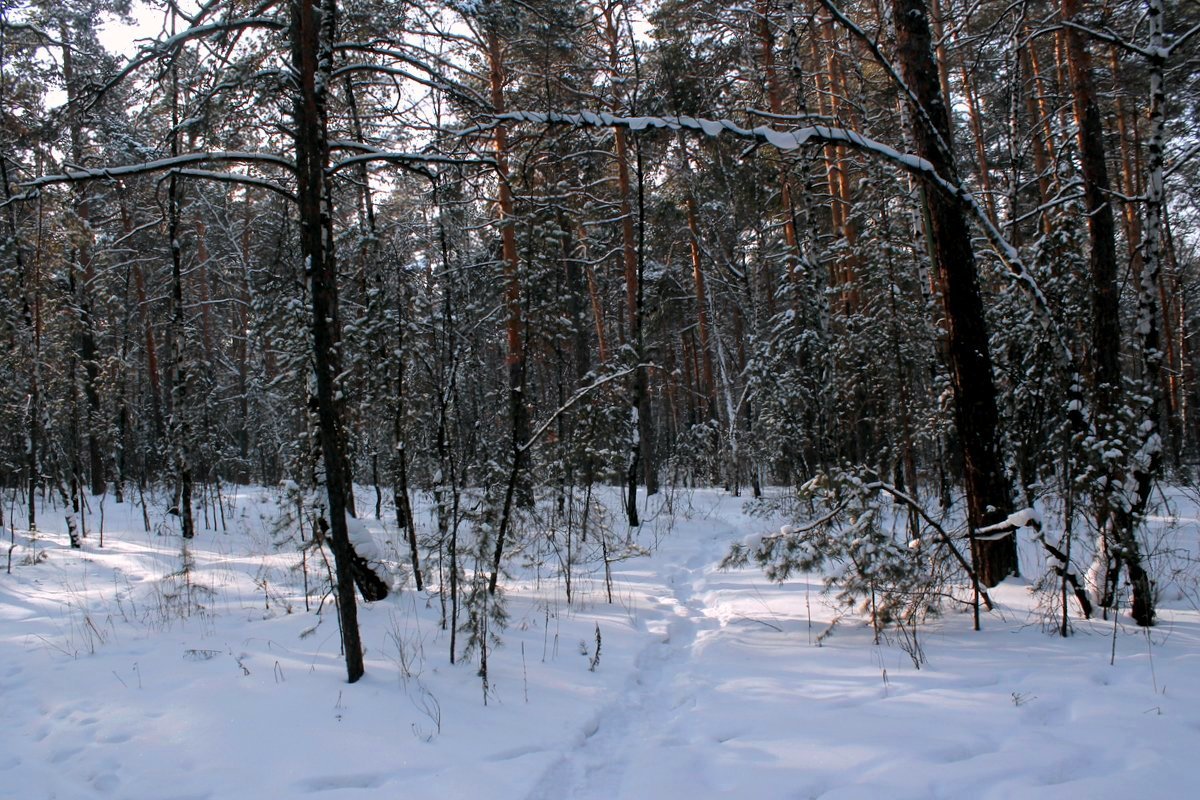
<point>1181,160</point>
<point>908,500</point>
<point>1026,517</point>
<point>41,33</point>
<point>164,47</point>
<point>433,76</point>
<point>177,163</point>
<point>1179,40</point>
<point>793,139</point>
<point>808,136</point>
<point>1102,35</point>
<point>238,178</point>
<point>575,398</point>
<point>415,161</point>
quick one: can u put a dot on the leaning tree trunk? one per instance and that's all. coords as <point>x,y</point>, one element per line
<point>404,513</point>
<point>312,40</point>
<point>975,413</point>
<point>1145,464</point>
<point>1117,513</point>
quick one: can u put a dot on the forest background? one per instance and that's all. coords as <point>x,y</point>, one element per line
<point>498,253</point>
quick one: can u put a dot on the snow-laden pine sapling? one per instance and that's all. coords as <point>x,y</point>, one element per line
<point>893,583</point>
<point>564,552</point>
<point>485,611</point>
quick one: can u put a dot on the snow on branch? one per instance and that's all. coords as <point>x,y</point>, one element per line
<point>434,75</point>
<point>1181,160</point>
<point>1179,40</point>
<point>414,161</point>
<point>177,163</point>
<point>237,177</point>
<point>10,25</point>
<point>1026,517</point>
<point>1103,35</point>
<point>160,48</point>
<point>793,139</point>
<point>873,46</point>
<point>575,398</point>
<point>808,136</point>
<point>908,500</point>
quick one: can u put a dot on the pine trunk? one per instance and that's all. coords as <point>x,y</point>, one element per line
<point>86,274</point>
<point>312,40</point>
<point>1117,519</point>
<point>988,492</point>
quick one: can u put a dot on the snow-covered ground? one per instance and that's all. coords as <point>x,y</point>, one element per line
<point>122,676</point>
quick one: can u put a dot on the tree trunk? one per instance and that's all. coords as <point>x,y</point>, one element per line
<point>1040,134</point>
<point>641,464</point>
<point>179,429</point>
<point>708,390</point>
<point>83,263</point>
<point>311,54</point>
<point>515,324</point>
<point>988,492</point>
<point>1117,519</point>
<point>31,338</point>
<point>775,104</point>
<point>404,514</point>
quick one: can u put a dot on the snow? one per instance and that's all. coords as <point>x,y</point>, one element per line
<point>126,676</point>
<point>1025,517</point>
<point>372,549</point>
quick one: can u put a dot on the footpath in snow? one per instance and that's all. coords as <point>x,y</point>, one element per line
<point>124,675</point>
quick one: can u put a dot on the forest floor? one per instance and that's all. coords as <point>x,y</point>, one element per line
<point>125,675</point>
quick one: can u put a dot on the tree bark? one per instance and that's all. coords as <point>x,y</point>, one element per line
<point>975,412</point>
<point>312,41</point>
<point>641,464</point>
<point>180,433</point>
<point>775,104</point>
<point>514,324</point>
<point>85,266</point>
<point>1116,517</point>
<point>30,333</point>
